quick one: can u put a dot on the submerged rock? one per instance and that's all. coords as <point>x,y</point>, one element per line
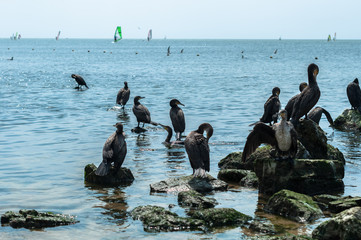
<point>33,219</point>
<point>295,206</point>
<point>123,176</point>
<point>245,178</point>
<point>214,217</point>
<point>349,120</point>
<point>344,226</point>
<point>194,199</point>
<point>188,183</point>
<point>157,219</point>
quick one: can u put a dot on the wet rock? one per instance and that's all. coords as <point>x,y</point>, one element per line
<point>188,183</point>
<point>284,237</point>
<point>33,219</point>
<point>138,130</point>
<point>214,217</point>
<point>323,200</point>
<point>344,226</point>
<point>308,176</point>
<point>262,227</point>
<point>245,178</point>
<point>123,176</point>
<point>157,219</point>
<point>349,120</point>
<point>234,161</point>
<point>295,206</point>
<point>344,203</point>
<point>194,199</point>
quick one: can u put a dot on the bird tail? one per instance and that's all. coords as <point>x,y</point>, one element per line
<point>86,86</point>
<point>328,116</point>
<point>103,169</point>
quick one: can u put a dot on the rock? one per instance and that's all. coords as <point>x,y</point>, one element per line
<point>335,154</point>
<point>215,217</point>
<point>262,227</point>
<point>138,130</point>
<point>157,219</point>
<point>33,219</point>
<point>308,176</point>
<point>187,183</point>
<point>123,176</point>
<point>295,206</point>
<point>349,120</point>
<point>323,200</point>
<point>344,203</point>
<point>243,177</point>
<point>284,237</point>
<point>344,226</point>
<point>234,161</point>
<point>194,199</point>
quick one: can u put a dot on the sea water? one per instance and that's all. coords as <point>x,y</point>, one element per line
<point>49,131</point>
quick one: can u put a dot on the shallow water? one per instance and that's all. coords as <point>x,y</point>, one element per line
<point>50,131</point>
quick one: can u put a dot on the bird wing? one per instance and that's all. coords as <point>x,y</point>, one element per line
<point>354,94</point>
<point>178,121</point>
<point>108,148</point>
<point>293,148</point>
<point>197,148</point>
<point>142,113</point>
<point>271,107</point>
<point>80,80</point>
<point>315,114</point>
<point>120,95</point>
<point>289,106</point>
<point>261,133</point>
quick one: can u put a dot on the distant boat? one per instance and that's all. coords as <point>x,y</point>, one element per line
<point>57,37</point>
<point>150,35</point>
<point>19,36</point>
<point>14,36</point>
<point>329,38</point>
<point>334,37</point>
<point>118,34</point>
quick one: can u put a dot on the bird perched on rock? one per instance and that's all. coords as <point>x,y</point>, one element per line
<point>79,80</point>
<point>291,102</point>
<point>281,135</point>
<point>123,95</point>
<point>114,151</point>
<point>177,116</point>
<point>354,95</point>
<point>197,148</point>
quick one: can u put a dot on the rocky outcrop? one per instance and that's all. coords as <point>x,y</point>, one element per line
<point>295,206</point>
<point>33,219</point>
<point>188,183</point>
<point>122,176</point>
<point>262,227</point>
<point>344,226</point>
<point>245,178</point>
<point>349,120</point>
<point>194,199</point>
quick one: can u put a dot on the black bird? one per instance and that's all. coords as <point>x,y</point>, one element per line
<point>177,116</point>
<point>291,102</point>
<point>281,135</point>
<point>316,113</point>
<point>141,112</point>
<point>197,148</point>
<point>272,107</point>
<point>308,97</point>
<point>167,141</point>
<point>168,51</point>
<point>79,80</point>
<point>123,95</point>
<point>114,151</point>
<point>354,95</point>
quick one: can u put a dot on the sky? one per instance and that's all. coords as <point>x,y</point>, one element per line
<point>182,19</point>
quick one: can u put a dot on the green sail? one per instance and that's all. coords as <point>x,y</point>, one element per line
<point>118,34</point>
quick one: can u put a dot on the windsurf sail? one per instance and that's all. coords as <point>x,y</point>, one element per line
<point>334,37</point>
<point>57,37</point>
<point>150,35</point>
<point>118,34</point>
<point>329,38</point>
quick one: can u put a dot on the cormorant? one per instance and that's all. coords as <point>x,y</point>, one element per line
<point>114,150</point>
<point>123,95</point>
<point>281,135</point>
<point>168,51</point>
<point>291,102</point>
<point>177,116</point>
<point>354,95</point>
<point>308,97</point>
<point>316,113</point>
<point>271,107</point>
<point>141,112</point>
<point>79,80</point>
<point>197,148</point>
<point>167,141</point>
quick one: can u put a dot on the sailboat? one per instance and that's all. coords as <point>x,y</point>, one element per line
<point>334,37</point>
<point>150,35</point>
<point>118,34</point>
<point>57,37</point>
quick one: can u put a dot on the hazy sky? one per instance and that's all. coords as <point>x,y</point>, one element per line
<point>207,19</point>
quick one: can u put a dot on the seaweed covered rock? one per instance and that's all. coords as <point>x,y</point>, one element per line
<point>295,206</point>
<point>33,219</point>
<point>344,226</point>
<point>245,178</point>
<point>214,217</point>
<point>194,199</point>
<point>234,161</point>
<point>157,219</point>
<point>323,200</point>
<point>344,203</point>
<point>122,176</point>
<point>349,120</point>
<point>187,183</point>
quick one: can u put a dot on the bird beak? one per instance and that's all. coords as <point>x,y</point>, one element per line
<point>315,73</point>
<point>180,103</point>
<point>114,125</point>
<point>142,97</point>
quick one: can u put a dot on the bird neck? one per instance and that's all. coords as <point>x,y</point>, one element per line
<point>311,79</point>
<point>206,127</point>
<point>167,140</point>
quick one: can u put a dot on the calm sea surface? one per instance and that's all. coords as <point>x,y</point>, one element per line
<point>49,131</point>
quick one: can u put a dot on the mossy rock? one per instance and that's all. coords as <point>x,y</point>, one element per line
<point>32,219</point>
<point>194,199</point>
<point>245,178</point>
<point>294,206</point>
<point>284,237</point>
<point>233,161</point>
<point>344,203</point>
<point>122,177</point>
<point>349,120</point>
<point>215,217</point>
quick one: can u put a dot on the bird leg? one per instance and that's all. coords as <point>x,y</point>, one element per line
<point>143,125</point>
<point>138,124</point>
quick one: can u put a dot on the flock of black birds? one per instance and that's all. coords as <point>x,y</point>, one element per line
<point>281,135</point>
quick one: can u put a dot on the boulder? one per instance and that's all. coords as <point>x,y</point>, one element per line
<point>349,120</point>
<point>157,219</point>
<point>284,237</point>
<point>215,217</point>
<point>194,199</point>
<point>344,226</point>
<point>323,200</point>
<point>234,161</point>
<point>294,206</point>
<point>245,178</point>
<point>122,176</point>
<point>187,183</point>
<point>262,227</point>
<point>344,203</point>
<point>32,219</point>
